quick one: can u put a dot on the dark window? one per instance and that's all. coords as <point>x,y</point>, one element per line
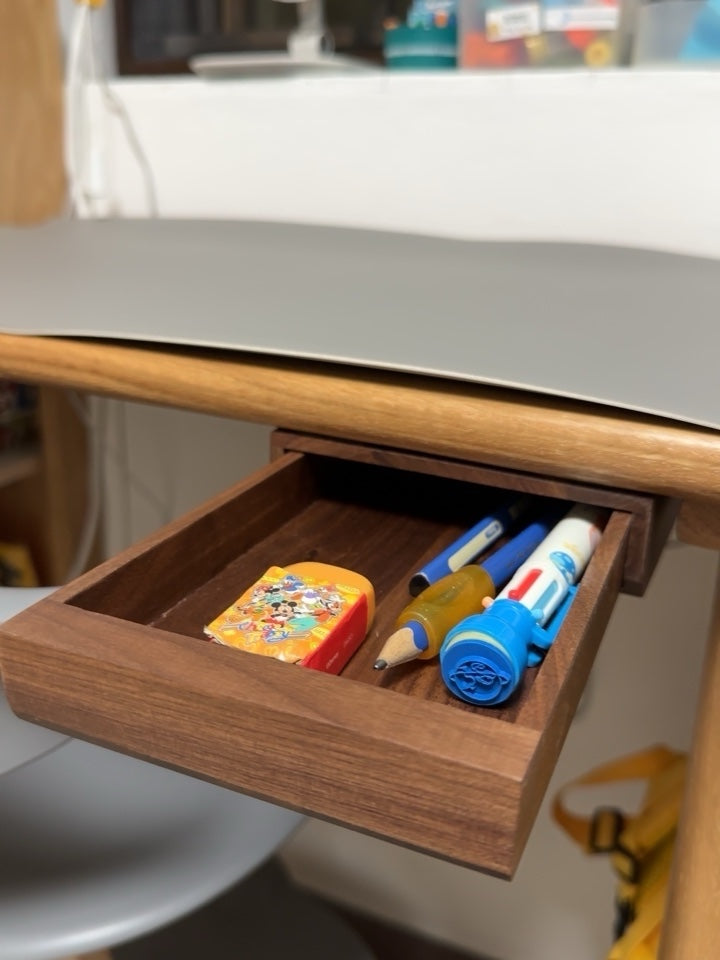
<point>159,36</point>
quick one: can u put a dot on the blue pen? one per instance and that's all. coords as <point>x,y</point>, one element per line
<point>467,547</point>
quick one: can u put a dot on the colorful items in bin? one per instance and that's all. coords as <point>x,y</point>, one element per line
<point>424,623</point>
<point>484,657</point>
<point>314,614</point>
<point>588,28</point>
<point>431,13</point>
<point>516,33</point>
<point>427,40</point>
<point>492,32</point>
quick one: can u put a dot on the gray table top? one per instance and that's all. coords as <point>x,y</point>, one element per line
<point>632,328</point>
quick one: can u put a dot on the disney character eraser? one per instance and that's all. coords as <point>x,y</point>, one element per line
<point>314,614</point>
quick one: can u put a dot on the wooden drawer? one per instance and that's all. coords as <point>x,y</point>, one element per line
<point>118,656</point>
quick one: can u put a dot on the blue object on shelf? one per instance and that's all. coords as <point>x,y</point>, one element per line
<point>421,48</point>
<point>431,13</point>
<point>703,41</point>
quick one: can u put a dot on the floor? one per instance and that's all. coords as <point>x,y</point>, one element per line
<point>267,918</point>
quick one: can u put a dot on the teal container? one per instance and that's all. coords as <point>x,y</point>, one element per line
<point>421,48</point>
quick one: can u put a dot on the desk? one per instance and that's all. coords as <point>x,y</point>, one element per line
<point>504,428</point>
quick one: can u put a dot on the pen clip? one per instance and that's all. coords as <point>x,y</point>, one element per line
<point>543,637</point>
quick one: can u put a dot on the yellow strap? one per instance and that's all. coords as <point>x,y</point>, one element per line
<point>644,765</point>
<point>660,810</point>
<point>640,940</point>
<point>645,838</point>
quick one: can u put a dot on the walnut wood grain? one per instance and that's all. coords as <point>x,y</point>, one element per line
<point>119,657</point>
<point>651,517</point>
<point>568,663</point>
<point>405,769</point>
<point>522,431</point>
<point>32,175</point>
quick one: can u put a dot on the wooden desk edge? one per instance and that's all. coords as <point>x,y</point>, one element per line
<point>526,431</point>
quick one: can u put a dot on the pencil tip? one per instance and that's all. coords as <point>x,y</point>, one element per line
<point>380,664</point>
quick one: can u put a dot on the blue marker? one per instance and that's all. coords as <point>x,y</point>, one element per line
<point>467,547</point>
<point>483,658</point>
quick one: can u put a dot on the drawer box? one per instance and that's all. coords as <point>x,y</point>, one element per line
<point>118,656</point>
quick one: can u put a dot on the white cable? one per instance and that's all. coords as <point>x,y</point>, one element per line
<point>74,103</point>
<point>82,43</point>
<point>115,106</point>
<point>123,463</point>
<point>95,422</point>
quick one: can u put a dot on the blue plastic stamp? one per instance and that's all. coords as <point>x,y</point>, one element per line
<point>484,658</point>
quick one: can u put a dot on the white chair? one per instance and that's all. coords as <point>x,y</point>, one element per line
<point>21,742</point>
<point>97,849</point>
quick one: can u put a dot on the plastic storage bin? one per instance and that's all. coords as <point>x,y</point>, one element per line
<point>515,33</point>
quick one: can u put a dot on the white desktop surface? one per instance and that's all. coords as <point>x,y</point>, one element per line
<point>635,329</point>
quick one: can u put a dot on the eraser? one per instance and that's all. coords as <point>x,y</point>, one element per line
<point>314,614</point>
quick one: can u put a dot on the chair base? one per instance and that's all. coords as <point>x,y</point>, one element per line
<point>265,917</point>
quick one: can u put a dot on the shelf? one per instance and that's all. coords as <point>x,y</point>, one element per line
<point>500,155</point>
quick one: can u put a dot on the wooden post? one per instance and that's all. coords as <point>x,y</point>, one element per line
<point>45,509</point>
<point>691,927</point>
<point>32,174</point>
<point>65,485</point>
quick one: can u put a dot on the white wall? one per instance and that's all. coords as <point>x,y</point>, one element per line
<point>160,463</point>
<point>612,157</point>
<point>642,691</point>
